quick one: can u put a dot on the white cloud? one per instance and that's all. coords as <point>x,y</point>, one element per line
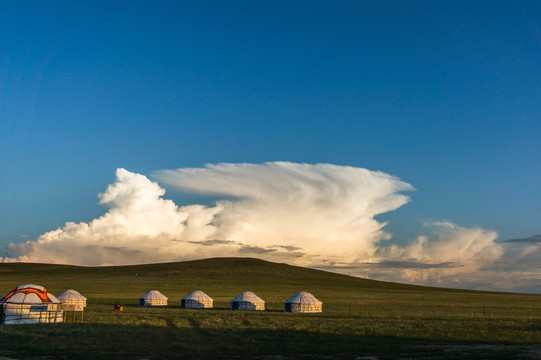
<point>311,215</point>
<point>464,251</point>
<point>320,210</point>
<point>326,210</point>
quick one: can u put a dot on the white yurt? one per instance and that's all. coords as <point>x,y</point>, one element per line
<point>29,304</point>
<point>247,301</point>
<point>72,297</point>
<point>153,298</point>
<point>303,302</point>
<point>197,300</point>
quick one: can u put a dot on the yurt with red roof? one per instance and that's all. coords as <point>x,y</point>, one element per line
<point>29,304</point>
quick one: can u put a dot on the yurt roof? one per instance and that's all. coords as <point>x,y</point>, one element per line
<point>153,294</point>
<point>30,286</point>
<point>248,296</point>
<point>197,295</point>
<point>29,294</point>
<point>70,294</point>
<point>303,297</point>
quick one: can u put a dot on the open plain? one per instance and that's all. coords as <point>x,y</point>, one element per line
<point>361,319</point>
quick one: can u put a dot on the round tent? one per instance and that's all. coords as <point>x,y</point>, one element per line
<point>72,297</point>
<point>153,298</point>
<point>29,304</point>
<point>197,300</point>
<point>303,302</point>
<point>247,301</point>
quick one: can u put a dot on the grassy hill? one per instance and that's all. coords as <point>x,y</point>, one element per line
<point>361,317</point>
<point>223,277</point>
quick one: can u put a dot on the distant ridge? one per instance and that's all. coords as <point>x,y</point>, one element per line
<point>227,271</point>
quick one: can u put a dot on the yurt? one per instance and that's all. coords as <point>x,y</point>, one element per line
<point>29,304</point>
<point>72,297</point>
<point>153,298</point>
<point>247,301</point>
<point>303,302</point>
<point>197,300</point>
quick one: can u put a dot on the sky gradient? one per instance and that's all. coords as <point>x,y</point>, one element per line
<point>443,97</point>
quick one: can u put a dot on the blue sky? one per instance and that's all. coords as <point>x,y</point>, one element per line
<point>443,95</point>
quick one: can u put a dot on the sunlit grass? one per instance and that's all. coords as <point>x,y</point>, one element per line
<point>360,317</point>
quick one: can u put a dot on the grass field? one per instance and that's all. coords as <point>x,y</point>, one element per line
<point>361,318</point>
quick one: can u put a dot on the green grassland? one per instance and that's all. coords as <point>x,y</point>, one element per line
<point>361,318</point>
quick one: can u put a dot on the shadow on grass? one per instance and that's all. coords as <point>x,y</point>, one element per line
<point>114,341</point>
